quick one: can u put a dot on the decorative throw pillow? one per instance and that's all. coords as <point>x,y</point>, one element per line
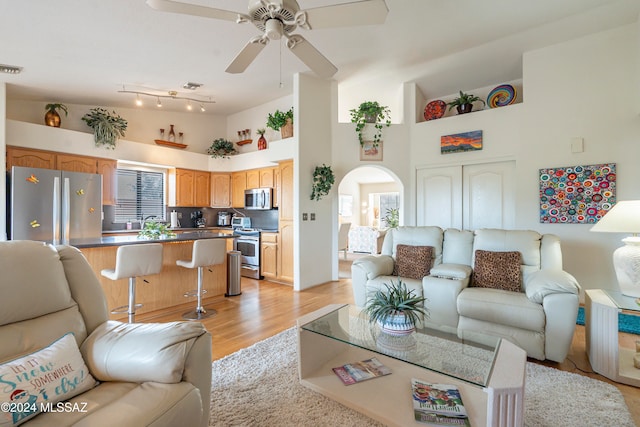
<point>497,270</point>
<point>39,380</point>
<point>413,262</point>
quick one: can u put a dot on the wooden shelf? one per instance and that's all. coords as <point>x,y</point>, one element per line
<point>171,144</point>
<point>245,141</point>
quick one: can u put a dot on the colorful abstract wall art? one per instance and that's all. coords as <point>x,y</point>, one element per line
<point>577,194</point>
<point>466,141</point>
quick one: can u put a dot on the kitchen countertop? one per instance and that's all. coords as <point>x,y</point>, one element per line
<point>133,239</point>
<point>177,230</point>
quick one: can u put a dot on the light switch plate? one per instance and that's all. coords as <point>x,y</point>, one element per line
<point>313,217</point>
<point>304,216</point>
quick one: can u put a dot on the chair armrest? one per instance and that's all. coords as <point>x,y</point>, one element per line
<point>139,352</point>
<point>375,265</point>
<point>541,283</point>
<point>451,271</point>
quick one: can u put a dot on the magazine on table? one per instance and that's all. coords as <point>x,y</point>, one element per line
<point>356,372</point>
<point>438,404</point>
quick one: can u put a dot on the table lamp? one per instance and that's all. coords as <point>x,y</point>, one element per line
<point>624,217</point>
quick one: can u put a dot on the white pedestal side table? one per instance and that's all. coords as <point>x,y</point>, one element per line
<point>601,322</point>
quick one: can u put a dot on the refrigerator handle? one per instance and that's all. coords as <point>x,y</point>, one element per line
<point>66,211</point>
<point>56,211</point>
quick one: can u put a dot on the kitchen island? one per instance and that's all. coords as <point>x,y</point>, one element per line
<point>158,291</point>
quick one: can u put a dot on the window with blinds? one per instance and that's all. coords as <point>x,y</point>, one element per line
<point>140,194</point>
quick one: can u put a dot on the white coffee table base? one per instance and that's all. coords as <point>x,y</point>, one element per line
<point>388,399</point>
<point>605,355</point>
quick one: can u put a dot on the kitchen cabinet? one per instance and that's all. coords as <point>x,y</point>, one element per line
<point>26,157</point>
<point>253,178</point>
<point>285,252</point>
<point>266,177</point>
<point>73,163</point>
<point>108,169</point>
<point>238,185</point>
<point>220,190</point>
<point>269,255</point>
<point>285,197</point>
<point>193,188</point>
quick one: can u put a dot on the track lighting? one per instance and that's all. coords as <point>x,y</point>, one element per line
<point>172,94</point>
<point>10,69</point>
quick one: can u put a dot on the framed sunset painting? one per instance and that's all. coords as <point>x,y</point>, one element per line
<point>466,141</point>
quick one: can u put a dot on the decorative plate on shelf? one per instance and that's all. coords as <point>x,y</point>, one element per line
<point>501,96</point>
<point>435,110</point>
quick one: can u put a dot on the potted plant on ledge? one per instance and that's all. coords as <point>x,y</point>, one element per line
<point>374,113</point>
<point>282,121</point>
<point>107,127</point>
<point>395,308</point>
<point>221,148</point>
<point>464,102</point>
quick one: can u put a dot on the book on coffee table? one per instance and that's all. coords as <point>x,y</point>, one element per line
<point>438,404</point>
<point>356,372</point>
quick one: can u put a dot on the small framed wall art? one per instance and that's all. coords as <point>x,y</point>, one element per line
<point>459,142</point>
<point>370,151</point>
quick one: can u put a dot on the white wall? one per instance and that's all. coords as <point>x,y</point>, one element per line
<point>3,166</point>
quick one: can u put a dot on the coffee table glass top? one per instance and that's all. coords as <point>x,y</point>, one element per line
<point>469,359</point>
<point>622,301</point>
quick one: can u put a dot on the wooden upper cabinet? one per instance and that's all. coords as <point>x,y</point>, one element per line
<point>73,163</point>
<point>108,169</point>
<point>266,177</point>
<point>285,196</point>
<point>25,157</point>
<point>220,190</point>
<point>202,189</point>
<point>253,178</point>
<point>185,186</point>
<point>238,185</point>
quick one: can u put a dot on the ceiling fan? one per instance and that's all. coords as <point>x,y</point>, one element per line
<point>279,18</point>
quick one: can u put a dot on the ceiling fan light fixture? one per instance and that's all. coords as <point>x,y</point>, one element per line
<point>273,29</point>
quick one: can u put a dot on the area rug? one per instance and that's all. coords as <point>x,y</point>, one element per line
<point>258,386</point>
<point>626,322</point>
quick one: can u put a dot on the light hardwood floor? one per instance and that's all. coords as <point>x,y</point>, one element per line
<point>265,309</point>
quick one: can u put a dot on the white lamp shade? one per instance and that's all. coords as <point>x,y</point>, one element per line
<point>624,217</point>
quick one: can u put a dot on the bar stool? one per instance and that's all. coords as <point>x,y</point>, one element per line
<point>134,261</point>
<point>206,252</point>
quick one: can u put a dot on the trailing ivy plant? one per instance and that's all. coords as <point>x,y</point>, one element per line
<point>323,180</point>
<point>107,127</point>
<point>221,148</point>
<point>374,113</point>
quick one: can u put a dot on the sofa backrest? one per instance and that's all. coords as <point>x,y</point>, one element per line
<point>414,236</point>
<point>41,287</point>
<point>457,247</point>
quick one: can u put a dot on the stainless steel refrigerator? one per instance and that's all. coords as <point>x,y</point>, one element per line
<point>55,206</point>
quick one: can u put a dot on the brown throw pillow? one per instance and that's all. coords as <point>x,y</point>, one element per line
<point>413,262</point>
<point>497,270</point>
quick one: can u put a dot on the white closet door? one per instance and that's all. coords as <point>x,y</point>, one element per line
<point>438,198</point>
<point>488,195</point>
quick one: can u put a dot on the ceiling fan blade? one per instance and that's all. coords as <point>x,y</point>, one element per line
<point>195,10</point>
<point>367,12</point>
<point>247,55</point>
<point>310,56</point>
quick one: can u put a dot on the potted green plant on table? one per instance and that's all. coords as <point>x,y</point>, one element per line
<point>52,117</point>
<point>323,180</point>
<point>395,308</point>
<point>282,121</point>
<point>107,127</point>
<point>221,148</point>
<point>154,230</point>
<point>464,102</point>
<point>374,113</point>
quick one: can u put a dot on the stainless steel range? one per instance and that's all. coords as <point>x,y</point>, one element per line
<point>247,243</point>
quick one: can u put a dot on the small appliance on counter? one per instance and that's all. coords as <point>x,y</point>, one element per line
<point>224,219</point>
<point>240,222</point>
<point>198,220</point>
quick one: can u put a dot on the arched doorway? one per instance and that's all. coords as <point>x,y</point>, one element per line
<point>366,195</point>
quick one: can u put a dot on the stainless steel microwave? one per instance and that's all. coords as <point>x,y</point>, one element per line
<point>258,198</point>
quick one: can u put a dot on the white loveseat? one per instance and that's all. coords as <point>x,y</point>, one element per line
<point>540,317</point>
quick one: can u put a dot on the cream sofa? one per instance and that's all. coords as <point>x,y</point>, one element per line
<point>540,318</point>
<point>142,374</point>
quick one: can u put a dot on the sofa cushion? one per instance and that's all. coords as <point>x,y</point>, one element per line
<point>497,270</point>
<point>413,262</point>
<point>50,375</point>
<point>507,308</point>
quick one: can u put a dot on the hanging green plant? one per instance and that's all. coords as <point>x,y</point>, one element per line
<point>323,180</point>
<point>221,148</point>
<point>107,127</point>
<point>374,113</point>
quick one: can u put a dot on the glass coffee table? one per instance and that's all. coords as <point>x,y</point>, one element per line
<point>601,325</point>
<point>489,371</point>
